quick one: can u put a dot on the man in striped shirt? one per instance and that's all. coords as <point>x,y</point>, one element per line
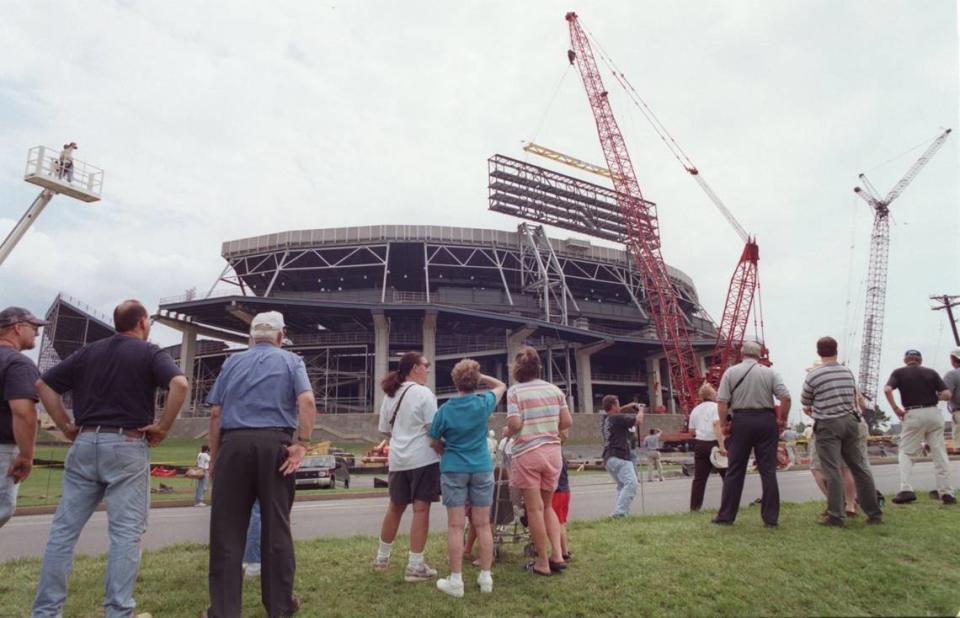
<point>830,397</point>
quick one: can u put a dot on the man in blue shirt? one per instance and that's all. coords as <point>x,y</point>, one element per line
<point>262,417</point>
<point>114,383</point>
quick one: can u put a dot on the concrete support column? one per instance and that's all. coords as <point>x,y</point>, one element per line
<point>514,343</point>
<point>702,358</point>
<point>188,352</point>
<point>381,356</point>
<point>430,347</point>
<point>585,375</point>
<point>654,383</point>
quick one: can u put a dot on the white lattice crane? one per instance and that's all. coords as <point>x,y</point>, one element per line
<point>877,269</point>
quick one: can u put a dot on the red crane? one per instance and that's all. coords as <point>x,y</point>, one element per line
<point>745,282</point>
<point>641,222</point>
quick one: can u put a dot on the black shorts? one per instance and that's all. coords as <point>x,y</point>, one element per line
<point>421,484</point>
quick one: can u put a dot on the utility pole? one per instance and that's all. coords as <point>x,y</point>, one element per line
<point>946,303</point>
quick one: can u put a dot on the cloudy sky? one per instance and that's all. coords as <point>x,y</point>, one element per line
<point>220,120</point>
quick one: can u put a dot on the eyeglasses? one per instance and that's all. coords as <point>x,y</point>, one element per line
<point>35,327</point>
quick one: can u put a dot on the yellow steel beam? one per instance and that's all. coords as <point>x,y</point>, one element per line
<point>566,159</point>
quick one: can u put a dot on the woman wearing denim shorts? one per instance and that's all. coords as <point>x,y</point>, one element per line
<point>459,432</point>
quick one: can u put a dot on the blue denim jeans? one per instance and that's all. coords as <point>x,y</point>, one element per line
<point>625,475</point>
<point>99,466</point>
<point>201,489</point>
<point>8,489</point>
<point>251,551</point>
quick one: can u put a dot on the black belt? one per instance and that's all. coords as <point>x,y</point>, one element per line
<point>754,410</point>
<point>130,433</point>
<point>287,431</point>
<point>926,405</point>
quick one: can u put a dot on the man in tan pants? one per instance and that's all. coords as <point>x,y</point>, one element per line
<point>920,390</point>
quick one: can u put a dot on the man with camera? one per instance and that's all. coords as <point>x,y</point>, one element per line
<point>830,398</point>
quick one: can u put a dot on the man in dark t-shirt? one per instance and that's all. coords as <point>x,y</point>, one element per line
<point>18,399</point>
<point>921,388</point>
<point>615,429</point>
<point>114,382</point>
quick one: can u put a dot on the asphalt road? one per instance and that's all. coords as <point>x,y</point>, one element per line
<point>592,496</point>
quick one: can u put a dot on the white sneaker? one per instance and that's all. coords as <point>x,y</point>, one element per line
<point>420,573</point>
<point>252,570</point>
<point>485,583</point>
<point>454,589</point>
<point>200,504</point>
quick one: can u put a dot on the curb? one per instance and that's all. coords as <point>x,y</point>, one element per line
<point>169,504</point>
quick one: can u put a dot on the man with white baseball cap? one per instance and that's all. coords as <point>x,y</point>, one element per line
<point>920,390</point>
<point>262,417</point>
<point>952,380</point>
<point>747,391</point>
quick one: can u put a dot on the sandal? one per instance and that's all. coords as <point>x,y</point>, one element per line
<point>557,567</point>
<point>532,569</point>
<point>567,556</point>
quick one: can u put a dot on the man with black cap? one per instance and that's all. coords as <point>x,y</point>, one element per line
<point>747,391</point>
<point>262,417</point>
<point>18,403</point>
<point>952,380</point>
<point>920,390</point>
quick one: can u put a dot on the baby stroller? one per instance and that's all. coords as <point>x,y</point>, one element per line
<point>508,517</point>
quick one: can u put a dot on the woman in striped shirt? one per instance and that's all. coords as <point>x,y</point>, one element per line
<point>536,414</point>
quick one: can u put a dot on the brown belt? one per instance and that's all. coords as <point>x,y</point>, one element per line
<point>130,433</point>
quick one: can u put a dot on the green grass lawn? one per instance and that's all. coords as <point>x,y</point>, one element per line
<point>42,488</point>
<point>667,565</point>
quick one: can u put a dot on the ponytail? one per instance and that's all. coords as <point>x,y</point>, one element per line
<point>391,383</point>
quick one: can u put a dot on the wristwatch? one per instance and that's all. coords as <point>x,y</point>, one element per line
<point>303,440</point>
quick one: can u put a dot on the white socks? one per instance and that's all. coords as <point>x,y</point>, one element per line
<point>383,552</point>
<point>415,560</point>
<point>456,578</point>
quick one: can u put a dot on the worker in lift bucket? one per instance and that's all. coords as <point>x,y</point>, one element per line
<point>65,163</point>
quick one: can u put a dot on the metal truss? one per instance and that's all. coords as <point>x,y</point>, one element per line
<point>541,272</point>
<point>538,194</point>
<point>503,261</point>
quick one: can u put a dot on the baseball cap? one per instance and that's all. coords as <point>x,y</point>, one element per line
<point>267,323</point>
<point>912,352</point>
<point>750,348</point>
<point>955,353</point>
<point>13,315</point>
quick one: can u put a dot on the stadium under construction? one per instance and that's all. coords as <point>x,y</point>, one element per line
<point>355,298</point>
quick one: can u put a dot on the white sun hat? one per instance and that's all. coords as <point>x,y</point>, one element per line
<point>718,460</point>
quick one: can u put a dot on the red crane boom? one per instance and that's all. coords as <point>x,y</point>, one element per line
<point>641,223</point>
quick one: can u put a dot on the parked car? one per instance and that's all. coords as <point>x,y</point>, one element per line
<point>322,471</point>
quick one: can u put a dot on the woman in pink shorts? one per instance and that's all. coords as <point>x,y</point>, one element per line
<point>536,414</point>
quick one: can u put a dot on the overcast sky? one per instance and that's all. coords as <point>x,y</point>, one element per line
<point>220,120</point>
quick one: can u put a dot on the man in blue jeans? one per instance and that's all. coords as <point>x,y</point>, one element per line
<point>615,428</point>
<point>114,383</point>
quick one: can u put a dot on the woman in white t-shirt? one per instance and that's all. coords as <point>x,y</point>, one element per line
<point>703,421</point>
<point>203,462</point>
<point>414,467</point>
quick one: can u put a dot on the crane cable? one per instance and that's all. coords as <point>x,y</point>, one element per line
<point>849,320</point>
<point>546,111</point>
<point>906,152</point>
